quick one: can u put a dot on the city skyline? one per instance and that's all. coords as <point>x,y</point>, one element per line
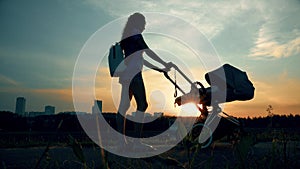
<point>20,108</point>
<point>20,105</point>
<point>50,109</point>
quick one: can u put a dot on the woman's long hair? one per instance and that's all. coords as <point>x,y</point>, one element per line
<point>135,21</point>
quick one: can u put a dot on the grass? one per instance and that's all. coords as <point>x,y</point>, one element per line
<point>246,153</point>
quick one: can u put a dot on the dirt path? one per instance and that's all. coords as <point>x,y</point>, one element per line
<point>64,157</point>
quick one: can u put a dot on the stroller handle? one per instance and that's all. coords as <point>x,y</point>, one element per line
<point>183,75</point>
<point>171,80</point>
<point>193,84</point>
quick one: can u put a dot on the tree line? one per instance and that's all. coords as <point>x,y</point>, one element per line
<point>12,122</point>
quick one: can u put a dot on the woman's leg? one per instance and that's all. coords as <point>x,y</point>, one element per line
<point>138,90</point>
<point>123,107</point>
<point>139,93</point>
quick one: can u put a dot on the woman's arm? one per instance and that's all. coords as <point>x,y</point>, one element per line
<point>152,55</point>
<point>150,65</point>
<point>155,57</point>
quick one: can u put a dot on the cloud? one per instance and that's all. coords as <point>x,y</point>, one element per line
<point>209,16</point>
<point>272,30</point>
<point>60,94</point>
<point>6,81</point>
<point>282,92</point>
<point>64,95</point>
<point>279,31</point>
<point>257,106</point>
<point>266,46</point>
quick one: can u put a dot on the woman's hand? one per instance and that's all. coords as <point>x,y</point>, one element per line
<point>168,66</point>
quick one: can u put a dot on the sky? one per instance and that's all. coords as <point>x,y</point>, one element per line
<point>41,40</point>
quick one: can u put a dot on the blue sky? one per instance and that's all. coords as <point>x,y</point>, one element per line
<point>41,40</point>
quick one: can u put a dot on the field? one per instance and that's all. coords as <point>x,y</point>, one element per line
<point>58,141</point>
<point>246,153</point>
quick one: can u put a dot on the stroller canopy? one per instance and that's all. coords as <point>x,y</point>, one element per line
<point>237,84</point>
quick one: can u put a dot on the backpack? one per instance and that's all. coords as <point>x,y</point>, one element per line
<point>116,60</point>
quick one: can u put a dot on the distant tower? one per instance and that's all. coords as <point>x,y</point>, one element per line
<point>20,106</point>
<point>49,110</point>
<point>97,108</point>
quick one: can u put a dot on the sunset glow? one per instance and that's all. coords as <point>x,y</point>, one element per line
<point>41,43</point>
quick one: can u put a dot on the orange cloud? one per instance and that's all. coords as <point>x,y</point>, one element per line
<point>64,95</point>
<point>281,92</point>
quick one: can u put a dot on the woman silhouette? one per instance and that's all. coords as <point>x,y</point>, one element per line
<point>131,79</point>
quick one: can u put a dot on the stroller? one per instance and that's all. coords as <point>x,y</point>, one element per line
<point>227,84</point>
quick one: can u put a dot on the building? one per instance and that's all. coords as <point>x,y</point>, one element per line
<point>97,108</point>
<point>20,106</point>
<point>35,113</point>
<point>145,114</point>
<point>158,114</point>
<point>49,110</point>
